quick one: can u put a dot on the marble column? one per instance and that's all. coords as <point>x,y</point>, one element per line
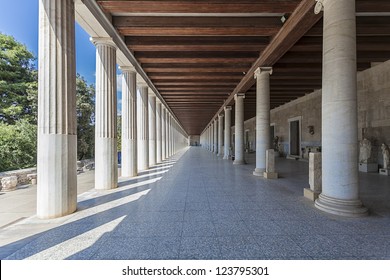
<point>57,128</point>
<point>129,166</point>
<point>167,138</point>
<point>340,192</point>
<point>169,135</point>
<point>215,144</point>
<point>262,118</point>
<point>143,132</point>
<point>152,130</point>
<point>158,132</point>
<point>163,133</point>
<point>220,134</point>
<point>106,153</point>
<point>239,129</point>
<point>228,124</point>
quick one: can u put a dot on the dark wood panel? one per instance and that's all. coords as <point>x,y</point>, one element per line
<point>200,31</point>
<point>195,22</point>
<point>261,6</point>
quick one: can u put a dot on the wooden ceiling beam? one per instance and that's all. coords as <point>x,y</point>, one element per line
<point>195,60</point>
<point>200,31</point>
<point>260,6</point>
<point>228,68</point>
<point>300,21</point>
<point>195,22</point>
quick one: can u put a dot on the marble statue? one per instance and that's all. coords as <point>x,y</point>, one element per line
<point>276,143</point>
<point>365,151</point>
<point>386,158</point>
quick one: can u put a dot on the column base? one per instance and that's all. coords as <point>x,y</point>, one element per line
<point>310,194</point>
<point>226,157</point>
<point>270,175</point>
<point>239,162</point>
<point>259,172</point>
<point>341,207</point>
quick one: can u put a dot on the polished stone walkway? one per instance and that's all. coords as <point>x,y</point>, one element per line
<point>198,206</point>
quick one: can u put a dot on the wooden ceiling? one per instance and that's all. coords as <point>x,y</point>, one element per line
<point>199,53</point>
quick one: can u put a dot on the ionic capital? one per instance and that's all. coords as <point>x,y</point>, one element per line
<point>103,41</point>
<point>237,95</point>
<point>261,70</point>
<point>127,69</point>
<point>319,7</point>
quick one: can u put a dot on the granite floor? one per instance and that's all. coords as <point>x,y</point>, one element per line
<point>198,206</point>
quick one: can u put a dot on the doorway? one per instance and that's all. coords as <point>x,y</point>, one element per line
<point>295,136</point>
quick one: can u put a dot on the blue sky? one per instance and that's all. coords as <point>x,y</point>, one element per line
<point>19,18</point>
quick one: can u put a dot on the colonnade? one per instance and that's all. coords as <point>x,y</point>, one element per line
<point>339,106</point>
<point>150,133</point>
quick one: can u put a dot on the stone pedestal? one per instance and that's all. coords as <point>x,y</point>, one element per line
<point>57,128</point>
<point>385,172</point>
<point>262,118</point>
<point>106,152</point>
<point>368,167</point>
<point>239,129</point>
<point>270,165</point>
<point>315,177</point>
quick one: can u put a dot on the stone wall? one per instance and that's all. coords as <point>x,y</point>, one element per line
<point>194,140</point>
<point>374,107</point>
<point>308,110</point>
<point>20,174</point>
<point>373,114</point>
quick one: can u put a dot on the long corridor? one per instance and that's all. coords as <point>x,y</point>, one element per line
<point>199,206</point>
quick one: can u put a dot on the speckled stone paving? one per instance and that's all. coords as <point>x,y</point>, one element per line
<point>199,206</point>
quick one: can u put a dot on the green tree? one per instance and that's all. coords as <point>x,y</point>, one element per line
<point>18,82</point>
<point>18,145</point>
<point>85,118</point>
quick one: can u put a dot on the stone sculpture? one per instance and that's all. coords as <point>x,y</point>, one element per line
<point>276,143</point>
<point>386,158</point>
<point>365,151</point>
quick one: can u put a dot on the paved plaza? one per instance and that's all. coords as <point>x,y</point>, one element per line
<point>198,206</point>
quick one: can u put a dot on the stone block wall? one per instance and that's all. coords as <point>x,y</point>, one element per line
<point>374,107</point>
<point>20,174</point>
<point>373,114</point>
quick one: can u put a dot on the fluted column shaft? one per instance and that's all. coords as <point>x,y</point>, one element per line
<point>106,154</point>
<point>57,128</point>
<point>220,135</point>
<point>239,129</point>
<point>163,133</point>
<point>158,132</point>
<point>340,192</point>
<point>129,164</point>
<point>216,136</point>
<point>152,130</point>
<point>228,124</point>
<point>262,118</point>
<point>143,132</point>
<point>167,134</point>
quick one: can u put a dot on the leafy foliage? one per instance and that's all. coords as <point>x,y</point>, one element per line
<point>18,82</point>
<point>85,104</point>
<point>18,145</point>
